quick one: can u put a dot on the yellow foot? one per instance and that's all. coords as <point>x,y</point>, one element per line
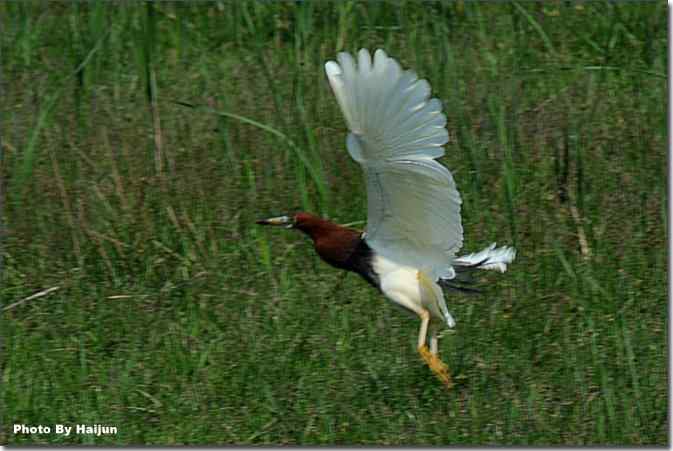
<point>437,366</point>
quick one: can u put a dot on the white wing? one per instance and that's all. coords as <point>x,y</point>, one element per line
<point>396,133</point>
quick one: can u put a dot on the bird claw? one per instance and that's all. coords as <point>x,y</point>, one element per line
<point>437,366</point>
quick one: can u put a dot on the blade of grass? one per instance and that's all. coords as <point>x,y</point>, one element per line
<point>538,28</point>
<point>315,174</point>
<point>24,168</point>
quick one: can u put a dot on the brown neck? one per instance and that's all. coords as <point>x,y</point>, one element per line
<point>315,227</point>
<point>334,243</point>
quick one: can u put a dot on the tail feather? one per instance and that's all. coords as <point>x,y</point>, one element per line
<point>463,288</point>
<point>489,258</point>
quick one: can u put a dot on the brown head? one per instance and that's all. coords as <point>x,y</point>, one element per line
<point>334,243</point>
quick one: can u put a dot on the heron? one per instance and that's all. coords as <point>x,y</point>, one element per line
<point>409,248</point>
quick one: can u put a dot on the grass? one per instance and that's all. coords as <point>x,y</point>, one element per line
<point>180,322</point>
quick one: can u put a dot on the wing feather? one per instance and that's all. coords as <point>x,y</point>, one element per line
<point>396,133</point>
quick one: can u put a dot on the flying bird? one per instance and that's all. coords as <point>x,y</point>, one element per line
<point>414,232</point>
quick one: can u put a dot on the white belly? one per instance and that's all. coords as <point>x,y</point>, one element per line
<point>402,285</point>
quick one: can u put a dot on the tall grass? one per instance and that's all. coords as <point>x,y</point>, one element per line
<point>142,140</point>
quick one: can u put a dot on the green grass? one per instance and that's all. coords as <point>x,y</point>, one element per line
<point>178,321</point>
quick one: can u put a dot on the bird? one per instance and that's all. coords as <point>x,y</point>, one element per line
<point>408,250</point>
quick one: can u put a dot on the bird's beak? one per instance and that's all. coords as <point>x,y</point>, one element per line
<point>278,221</point>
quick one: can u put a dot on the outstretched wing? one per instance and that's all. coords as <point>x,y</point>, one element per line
<point>396,133</point>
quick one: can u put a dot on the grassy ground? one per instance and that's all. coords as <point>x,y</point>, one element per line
<point>180,322</point>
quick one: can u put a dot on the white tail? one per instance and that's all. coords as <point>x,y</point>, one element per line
<point>489,258</point>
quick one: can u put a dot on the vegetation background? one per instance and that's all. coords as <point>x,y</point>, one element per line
<point>141,140</point>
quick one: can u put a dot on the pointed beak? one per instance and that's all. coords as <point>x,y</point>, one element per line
<point>277,221</point>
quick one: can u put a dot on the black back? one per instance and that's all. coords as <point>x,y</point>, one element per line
<point>360,261</point>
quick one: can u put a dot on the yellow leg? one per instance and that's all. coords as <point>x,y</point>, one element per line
<point>431,359</point>
<point>436,365</point>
